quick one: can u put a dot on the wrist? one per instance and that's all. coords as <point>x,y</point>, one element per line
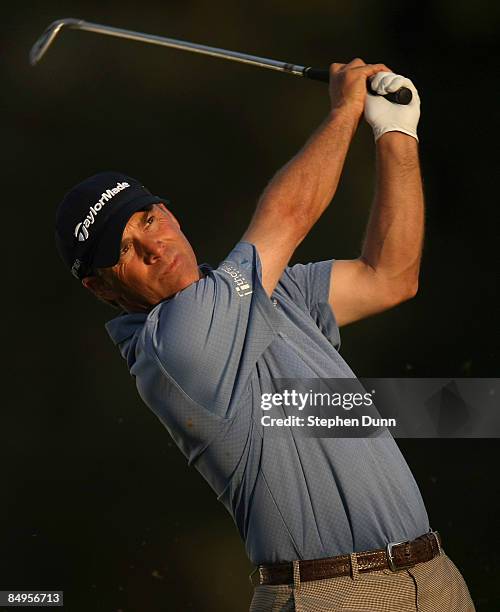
<point>397,141</point>
<point>344,116</point>
<point>398,147</point>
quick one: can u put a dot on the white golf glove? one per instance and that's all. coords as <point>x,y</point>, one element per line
<point>385,116</point>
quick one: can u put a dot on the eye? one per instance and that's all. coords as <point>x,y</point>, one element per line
<point>150,220</point>
<point>124,249</point>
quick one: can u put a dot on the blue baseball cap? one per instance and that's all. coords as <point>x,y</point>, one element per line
<point>92,216</point>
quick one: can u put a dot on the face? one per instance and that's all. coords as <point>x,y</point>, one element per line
<point>156,261</point>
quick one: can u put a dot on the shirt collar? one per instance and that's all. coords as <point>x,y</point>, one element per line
<point>124,325</point>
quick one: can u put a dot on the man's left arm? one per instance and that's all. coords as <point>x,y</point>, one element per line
<point>386,273</point>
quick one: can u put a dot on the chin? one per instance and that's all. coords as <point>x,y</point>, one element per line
<point>182,281</point>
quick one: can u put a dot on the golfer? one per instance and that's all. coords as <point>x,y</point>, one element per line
<point>329,523</point>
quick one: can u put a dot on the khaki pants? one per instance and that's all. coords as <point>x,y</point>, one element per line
<point>433,586</point>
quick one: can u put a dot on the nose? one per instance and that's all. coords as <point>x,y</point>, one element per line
<point>152,250</point>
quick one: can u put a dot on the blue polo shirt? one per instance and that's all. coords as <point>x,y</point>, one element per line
<point>201,361</point>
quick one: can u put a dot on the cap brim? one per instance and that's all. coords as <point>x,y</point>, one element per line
<point>107,251</point>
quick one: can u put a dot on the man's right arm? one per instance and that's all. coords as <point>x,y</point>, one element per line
<point>300,192</point>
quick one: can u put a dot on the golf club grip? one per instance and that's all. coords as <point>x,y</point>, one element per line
<point>402,96</point>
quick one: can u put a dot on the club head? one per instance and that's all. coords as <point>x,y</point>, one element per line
<point>47,38</point>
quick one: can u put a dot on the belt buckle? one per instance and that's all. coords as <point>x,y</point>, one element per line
<point>436,537</point>
<point>390,558</point>
<point>252,574</point>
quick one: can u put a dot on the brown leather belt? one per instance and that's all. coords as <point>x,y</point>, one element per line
<point>395,556</point>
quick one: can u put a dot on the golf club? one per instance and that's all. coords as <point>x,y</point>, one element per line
<point>402,96</point>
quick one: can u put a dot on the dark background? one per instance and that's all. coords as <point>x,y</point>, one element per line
<point>96,499</point>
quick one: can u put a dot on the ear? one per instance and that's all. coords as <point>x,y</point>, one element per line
<point>169,214</point>
<point>100,288</point>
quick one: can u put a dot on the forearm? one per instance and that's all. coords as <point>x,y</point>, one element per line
<point>394,237</point>
<point>298,194</point>
<point>305,186</point>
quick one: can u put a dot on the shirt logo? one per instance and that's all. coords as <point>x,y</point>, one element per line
<point>82,229</point>
<point>242,286</point>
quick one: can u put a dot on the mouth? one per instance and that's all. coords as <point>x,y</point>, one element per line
<point>169,267</point>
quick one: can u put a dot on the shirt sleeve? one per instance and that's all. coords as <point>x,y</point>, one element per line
<point>209,336</point>
<point>308,285</point>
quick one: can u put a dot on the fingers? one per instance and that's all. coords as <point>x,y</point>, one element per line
<point>348,83</point>
<point>334,68</point>
<point>356,62</point>
<point>371,69</point>
<point>397,82</point>
<point>393,83</point>
<point>388,82</point>
<point>377,81</point>
<point>358,65</point>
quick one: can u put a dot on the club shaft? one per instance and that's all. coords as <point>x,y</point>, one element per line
<point>162,41</point>
<point>402,96</point>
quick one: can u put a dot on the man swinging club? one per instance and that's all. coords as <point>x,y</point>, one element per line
<point>329,523</point>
